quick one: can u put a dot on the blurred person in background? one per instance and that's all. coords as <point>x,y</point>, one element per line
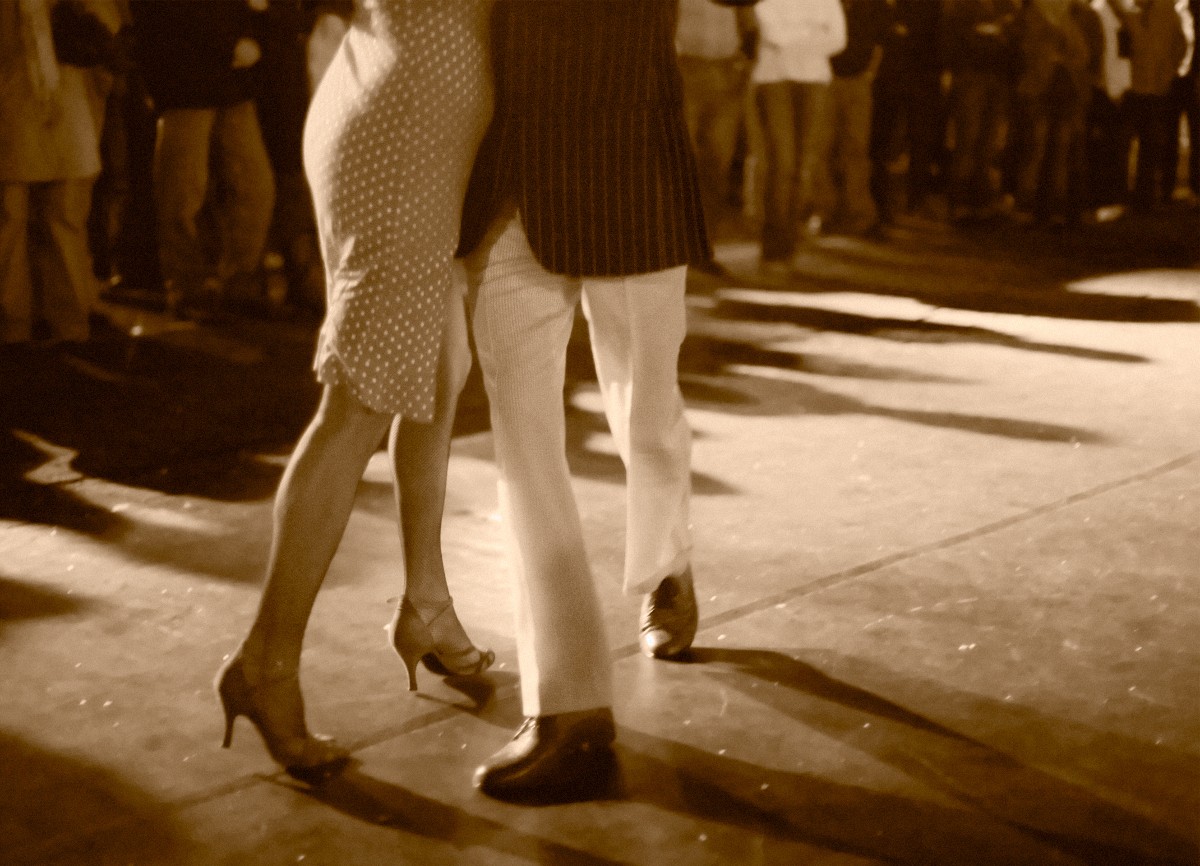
<point>1059,46</point>
<point>791,78</point>
<point>868,23</point>
<point>1157,47</point>
<point>908,117</point>
<point>1109,133</point>
<point>52,97</point>
<point>978,47</point>
<point>1184,105</point>
<point>715,70</point>
<point>213,185</point>
<point>293,270</point>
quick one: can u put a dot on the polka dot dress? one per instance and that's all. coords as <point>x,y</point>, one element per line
<point>388,147</point>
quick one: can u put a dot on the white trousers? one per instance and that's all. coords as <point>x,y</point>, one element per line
<point>522,317</point>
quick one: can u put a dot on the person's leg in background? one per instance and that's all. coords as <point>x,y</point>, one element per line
<point>246,206</point>
<point>16,290</point>
<point>814,193</point>
<point>1149,117</point>
<point>1181,105</point>
<point>853,149</point>
<point>884,146</point>
<point>967,100</point>
<point>777,112</point>
<point>1107,160</point>
<point>714,95</point>
<point>927,115</point>
<point>181,176</point>
<point>61,260</point>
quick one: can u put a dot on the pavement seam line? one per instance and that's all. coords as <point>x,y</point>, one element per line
<point>848,574</point>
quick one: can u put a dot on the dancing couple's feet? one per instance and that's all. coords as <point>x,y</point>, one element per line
<point>566,756</point>
<point>669,617</point>
<point>553,758</point>
<point>269,696</point>
<point>436,640</point>
<point>274,705</point>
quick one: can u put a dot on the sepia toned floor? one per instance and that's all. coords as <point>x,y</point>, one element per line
<point>947,519</point>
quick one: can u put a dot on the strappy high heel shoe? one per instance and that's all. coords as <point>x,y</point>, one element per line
<point>442,644</point>
<point>276,708</point>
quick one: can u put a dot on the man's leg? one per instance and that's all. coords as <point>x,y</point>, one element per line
<point>777,116</point>
<point>814,136</point>
<point>180,187</point>
<point>64,263</point>
<point>16,290</point>
<point>637,325</point>
<point>245,210</point>
<point>522,318</point>
<point>854,151</point>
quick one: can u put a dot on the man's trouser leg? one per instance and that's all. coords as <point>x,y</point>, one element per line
<point>64,264</point>
<point>248,186</point>
<point>181,159</point>
<point>637,325</point>
<point>16,291</point>
<point>522,318</point>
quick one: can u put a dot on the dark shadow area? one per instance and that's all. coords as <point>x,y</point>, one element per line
<point>57,810</point>
<point>903,330</point>
<point>799,398</point>
<point>24,601</point>
<point>50,504</point>
<point>999,267</point>
<point>1009,812</point>
<point>153,414</point>
<point>709,355</point>
<point>374,801</point>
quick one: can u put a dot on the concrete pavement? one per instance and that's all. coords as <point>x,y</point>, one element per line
<point>946,509</point>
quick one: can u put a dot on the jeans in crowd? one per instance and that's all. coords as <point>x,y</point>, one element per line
<point>1183,102</point>
<point>713,98</point>
<point>240,196</point>
<point>850,149</point>
<point>44,256</point>
<point>1053,126</point>
<point>979,107</point>
<point>795,124</point>
<point>1149,118</point>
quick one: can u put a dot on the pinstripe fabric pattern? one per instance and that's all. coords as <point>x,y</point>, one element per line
<point>588,138</point>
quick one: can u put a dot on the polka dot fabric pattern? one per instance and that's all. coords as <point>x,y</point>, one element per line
<point>388,146</point>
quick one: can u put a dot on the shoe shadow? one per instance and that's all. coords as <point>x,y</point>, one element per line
<point>374,801</point>
<point>1002,810</point>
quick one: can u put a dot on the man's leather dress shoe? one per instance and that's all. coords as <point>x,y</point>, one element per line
<point>669,617</point>
<point>553,757</point>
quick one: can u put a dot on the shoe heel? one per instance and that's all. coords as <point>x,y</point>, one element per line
<point>230,718</point>
<point>410,664</point>
<point>410,640</point>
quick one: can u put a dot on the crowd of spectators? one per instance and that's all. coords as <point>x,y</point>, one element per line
<point>846,112</point>
<point>155,145</point>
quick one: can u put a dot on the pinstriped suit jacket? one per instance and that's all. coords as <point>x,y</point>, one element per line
<point>588,138</point>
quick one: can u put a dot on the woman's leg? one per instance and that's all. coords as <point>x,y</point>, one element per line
<point>420,456</point>
<point>312,507</point>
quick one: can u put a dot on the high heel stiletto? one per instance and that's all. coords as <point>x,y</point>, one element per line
<point>436,643</point>
<point>276,708</point>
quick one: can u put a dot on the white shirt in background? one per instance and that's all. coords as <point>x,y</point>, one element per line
<point>797,38</point>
